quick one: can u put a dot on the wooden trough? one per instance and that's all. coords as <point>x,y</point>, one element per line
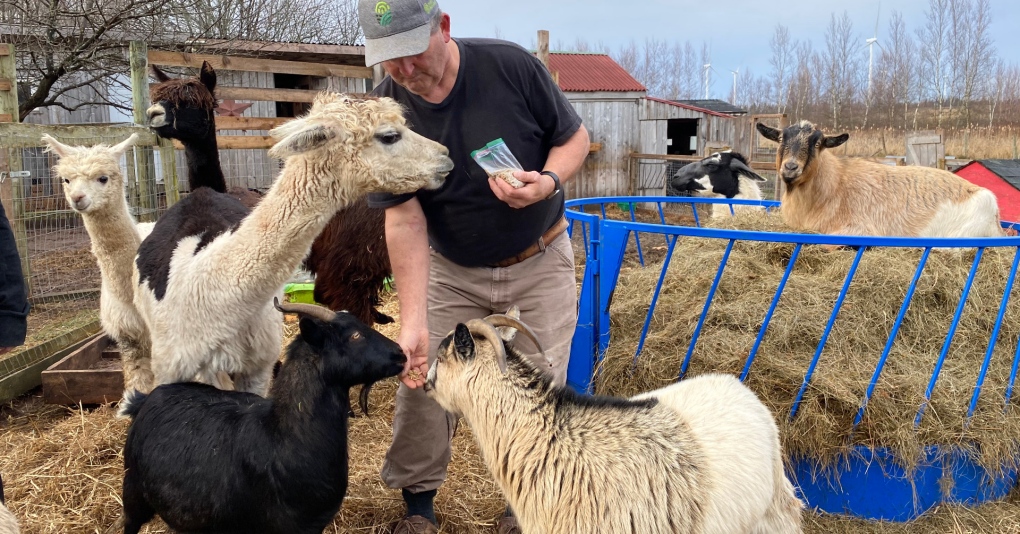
<point>93,374</point>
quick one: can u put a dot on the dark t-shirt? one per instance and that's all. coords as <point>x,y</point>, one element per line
<point>502,91</point>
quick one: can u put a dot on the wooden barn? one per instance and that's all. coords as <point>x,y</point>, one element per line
<point>623,120</point>
<point>608,100</point>
<point>1000,176</point>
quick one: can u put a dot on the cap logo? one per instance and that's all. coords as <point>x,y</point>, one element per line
<point>383,14</point>
<point>429,6</point>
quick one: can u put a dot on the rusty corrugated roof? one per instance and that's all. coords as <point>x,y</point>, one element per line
<point>591,72</point>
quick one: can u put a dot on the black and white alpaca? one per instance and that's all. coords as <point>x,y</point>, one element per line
<point>349,258</point>
<point>206,276</point>
<point>721,175</point>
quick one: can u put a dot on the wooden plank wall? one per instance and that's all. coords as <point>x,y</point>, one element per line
<point>613,123</point>
<point>250,168</point>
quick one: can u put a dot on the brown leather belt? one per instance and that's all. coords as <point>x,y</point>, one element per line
<point>552,233</point>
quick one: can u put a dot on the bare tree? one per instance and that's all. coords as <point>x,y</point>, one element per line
<point>627,57</point>
<point>70,48</point>
<point>933,40</point>
<point>783,49</point>
<point>842,67</point>
<point>978,56</point>
<point>66,45</point>
<point>898,60</point>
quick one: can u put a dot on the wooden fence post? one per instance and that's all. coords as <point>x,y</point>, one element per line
<point>12,190</point>
<point>145,161</point>
<point>8,85</point>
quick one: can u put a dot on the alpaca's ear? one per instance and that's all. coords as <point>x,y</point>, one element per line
<point>207,76</point>
<point>298,136</point>
<point>57,147</point>
<point>122,147</point>
<point>159,74</point>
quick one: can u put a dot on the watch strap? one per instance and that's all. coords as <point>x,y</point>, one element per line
<point>556,180</point>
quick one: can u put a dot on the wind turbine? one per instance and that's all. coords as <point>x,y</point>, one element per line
<point>708,67</point>
<point>871,48</point>
<point>735,73</point>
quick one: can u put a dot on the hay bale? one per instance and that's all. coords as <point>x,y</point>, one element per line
<point>822,428</point>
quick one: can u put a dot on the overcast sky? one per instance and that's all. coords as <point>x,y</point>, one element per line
<point>737,30</point>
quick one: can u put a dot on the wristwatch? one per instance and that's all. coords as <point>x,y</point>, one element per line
<point>556,180</point>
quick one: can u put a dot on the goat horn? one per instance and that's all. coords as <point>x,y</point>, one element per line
<point>486,330</point>
<point>311,310</point>
<point>506,320</point>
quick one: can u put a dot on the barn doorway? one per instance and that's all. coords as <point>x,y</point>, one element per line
<point>683,137</point>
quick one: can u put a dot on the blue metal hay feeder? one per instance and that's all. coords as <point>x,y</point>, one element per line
<point>869,484</point>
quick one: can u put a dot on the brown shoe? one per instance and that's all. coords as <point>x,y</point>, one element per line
<point>508,525</point>
<point>415,524</point>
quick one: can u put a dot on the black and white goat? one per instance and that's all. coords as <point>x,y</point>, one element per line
<point>208,460</point>
<point>721,175</point>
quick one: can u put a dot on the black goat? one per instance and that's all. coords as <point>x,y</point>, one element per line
<point>208,460</point>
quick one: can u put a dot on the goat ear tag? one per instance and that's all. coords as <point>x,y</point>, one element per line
<point>463,343</point>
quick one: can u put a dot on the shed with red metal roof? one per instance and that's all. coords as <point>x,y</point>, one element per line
<point>623,120</point>
<point>1000,176</point>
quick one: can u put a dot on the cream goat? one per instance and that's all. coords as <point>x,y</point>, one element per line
<point>207,274</point>
<point>701,456</point>
<point>94,187</point>
<point>834,195</point>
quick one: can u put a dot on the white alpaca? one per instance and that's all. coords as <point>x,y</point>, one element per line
<point>207,274</point>
<point>94,187</point>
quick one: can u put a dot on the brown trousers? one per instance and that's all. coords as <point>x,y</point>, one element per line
<point>542,286</point>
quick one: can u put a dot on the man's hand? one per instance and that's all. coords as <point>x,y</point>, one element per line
<point>536,187</point>
<point>415,344</point>
<point>5,350</point>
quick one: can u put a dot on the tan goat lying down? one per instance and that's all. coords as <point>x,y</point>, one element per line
<point>848,196</point>
<point>701,456</point>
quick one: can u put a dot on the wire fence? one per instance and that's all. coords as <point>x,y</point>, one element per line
<point>61,273</point>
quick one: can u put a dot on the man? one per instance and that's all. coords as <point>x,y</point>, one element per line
<point>476,245</point>
<point>13,302</point>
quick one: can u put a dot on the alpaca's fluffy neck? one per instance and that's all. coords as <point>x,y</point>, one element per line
<point>204,164</point>
<point>271,241</point>
<point>115,242</point>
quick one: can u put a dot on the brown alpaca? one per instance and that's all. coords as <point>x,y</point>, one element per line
<point>184,109</point>
<point>833,195</point>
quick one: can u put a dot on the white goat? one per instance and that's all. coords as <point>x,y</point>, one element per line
<point>721,175</point>
<point>833,195</point>
<point>701,456</point>
<point>207,274</point>
<point>94,187</point>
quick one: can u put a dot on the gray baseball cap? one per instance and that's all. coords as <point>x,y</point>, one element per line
<point>395,28</point>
